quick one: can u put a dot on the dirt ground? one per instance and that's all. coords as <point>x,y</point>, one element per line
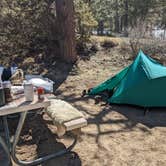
<point>115,135</point>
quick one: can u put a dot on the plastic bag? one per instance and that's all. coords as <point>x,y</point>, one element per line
<point>39,81</point>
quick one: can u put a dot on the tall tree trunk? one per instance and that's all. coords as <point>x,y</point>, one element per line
<point>65,17</point>
<point>100,28</point>
<point>111,24</point>
<point>117,17</point>
<point>164,34</point>
<point>126,18</point>
<point>117,23</point>
<point>121,24</point>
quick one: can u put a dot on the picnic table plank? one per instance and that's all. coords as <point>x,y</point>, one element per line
<point>74,124</point>
<point>21,105</point>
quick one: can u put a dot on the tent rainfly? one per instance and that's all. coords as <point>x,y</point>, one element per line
<point>142,83</point>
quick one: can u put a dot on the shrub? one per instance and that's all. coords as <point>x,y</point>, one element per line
<point>109,44</point>
<point>154,48</point>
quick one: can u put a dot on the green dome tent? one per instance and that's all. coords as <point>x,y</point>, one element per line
<point>142,83</point>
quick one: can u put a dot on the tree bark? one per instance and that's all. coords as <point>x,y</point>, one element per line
<point>117,23</point>
<point>100,28</point>
<point>117,17</point>
<point>65,17</point>
<point>121,23</point>
<point>126,18</point>
<point>111,25</point>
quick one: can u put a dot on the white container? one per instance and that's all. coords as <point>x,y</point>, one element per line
<point>28,91</point>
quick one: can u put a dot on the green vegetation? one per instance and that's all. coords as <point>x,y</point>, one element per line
<point>120,15</point>
<point>85,20</point>
<point>31,26</point>
<point>26,26</point>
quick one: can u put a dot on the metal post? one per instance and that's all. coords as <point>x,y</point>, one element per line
<point>7,160</point>
<point>41,159</point>
<point>7,134</point>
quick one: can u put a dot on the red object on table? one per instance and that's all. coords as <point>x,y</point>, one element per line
<point>40,92</point>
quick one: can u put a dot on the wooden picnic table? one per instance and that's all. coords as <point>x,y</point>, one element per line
<point>21,106</point>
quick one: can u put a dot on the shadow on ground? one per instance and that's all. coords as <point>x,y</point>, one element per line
<point>151,117</point>
<point>37,133</point>
<point>155,117</point>
<point>126,118</point>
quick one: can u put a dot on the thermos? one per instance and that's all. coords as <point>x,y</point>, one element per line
<point>2,97</point>
<point>7,90</point>
<point>28,91</point>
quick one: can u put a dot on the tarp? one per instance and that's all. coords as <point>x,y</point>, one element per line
<point>142,83</point>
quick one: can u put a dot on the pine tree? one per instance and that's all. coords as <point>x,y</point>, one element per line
<point>65,17</point>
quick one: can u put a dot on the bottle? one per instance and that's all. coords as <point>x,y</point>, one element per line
<point>2,96</point>
<point>40,92</point>
<point>28,91</point>
<point>7,91</point>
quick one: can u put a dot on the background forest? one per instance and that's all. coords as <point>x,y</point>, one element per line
<point>31,27</point>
